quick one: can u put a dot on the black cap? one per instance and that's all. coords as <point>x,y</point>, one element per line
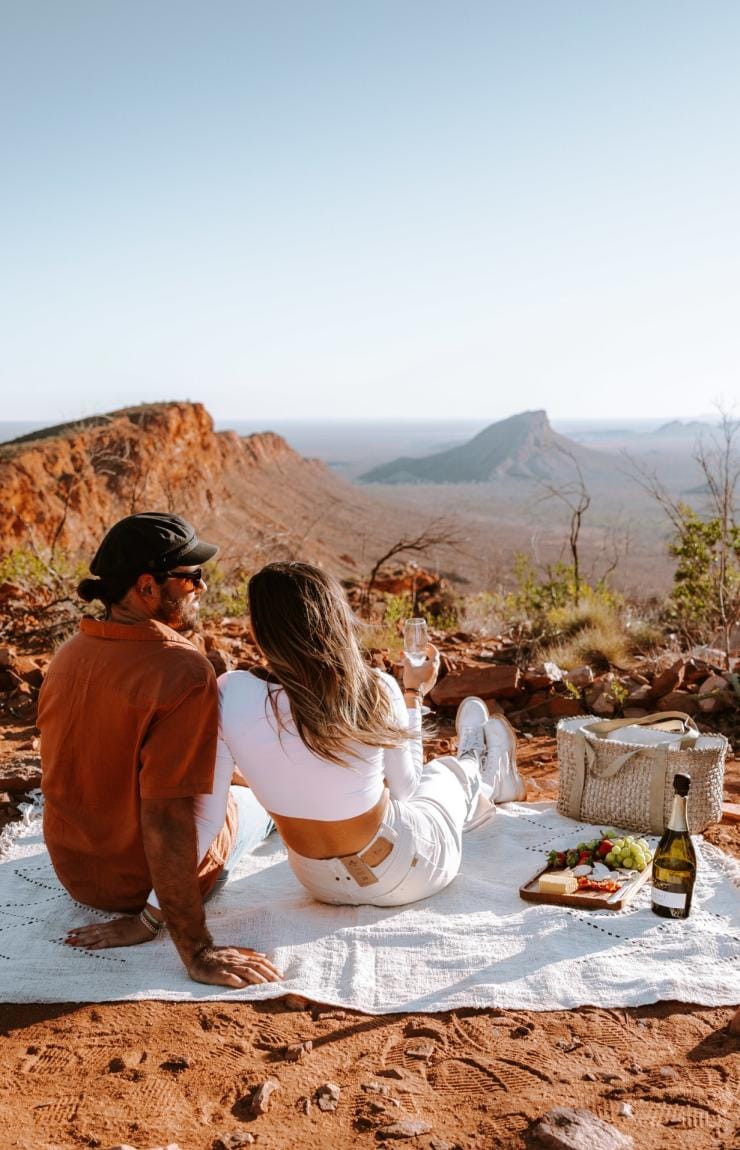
<point>151,541</point>
<point>681,784</point>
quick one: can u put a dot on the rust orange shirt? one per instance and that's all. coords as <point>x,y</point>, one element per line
<point>126,712</point>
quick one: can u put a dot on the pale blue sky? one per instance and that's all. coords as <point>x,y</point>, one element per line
<point>370,208</point>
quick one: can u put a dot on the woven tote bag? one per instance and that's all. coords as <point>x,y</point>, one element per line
<point>626,784</point>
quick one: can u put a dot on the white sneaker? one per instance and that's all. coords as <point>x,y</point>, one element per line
<point>499,769</point>
<point>472,716</point>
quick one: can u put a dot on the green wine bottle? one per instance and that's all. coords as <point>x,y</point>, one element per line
<point>674,862</point>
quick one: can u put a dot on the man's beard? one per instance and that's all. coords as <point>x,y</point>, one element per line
<point>179,614</point>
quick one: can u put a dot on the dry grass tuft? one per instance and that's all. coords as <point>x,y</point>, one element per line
<point>592,633</point>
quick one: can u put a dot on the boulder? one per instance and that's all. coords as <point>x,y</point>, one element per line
<point>678,701</point>
<point>543,676</point>
<point>580,677</point>
<point>713,684</point>
<point>219,660</point>
<point>604,705</point>
<point>7,656</point>
<point>670,679</point>
<point>28,670</point>
<point>640,694</point>
<point>493,682</point>
<point>8,679</point>
<point>18,777</point>
<point>715,704</point>
<point>555,707</point>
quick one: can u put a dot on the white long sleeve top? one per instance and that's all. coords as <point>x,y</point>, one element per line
<point>287,778</point>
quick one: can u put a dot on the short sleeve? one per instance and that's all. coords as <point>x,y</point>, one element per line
<point>178,755</point>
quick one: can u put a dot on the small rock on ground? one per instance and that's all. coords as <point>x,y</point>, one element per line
<point>567,1129</point>
<point>327,1096</point>
<point>233,1141</point>
<point>295,1002</point>
<point>406,1128</point>
<point>260,1100</point>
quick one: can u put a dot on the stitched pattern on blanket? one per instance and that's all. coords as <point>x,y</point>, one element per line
<point>476,944</point>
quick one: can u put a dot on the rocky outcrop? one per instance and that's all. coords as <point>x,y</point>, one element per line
<point>255,496</point>
<point>64,486</point>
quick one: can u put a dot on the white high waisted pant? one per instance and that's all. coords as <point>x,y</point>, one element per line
<point>426,833</point>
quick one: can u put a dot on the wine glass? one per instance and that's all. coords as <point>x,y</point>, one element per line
<point>415,640</point>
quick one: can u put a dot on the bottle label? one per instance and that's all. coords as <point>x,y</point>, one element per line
<point>674,899</point>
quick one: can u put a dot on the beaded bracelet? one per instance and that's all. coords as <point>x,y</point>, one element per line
<point>152,924</point>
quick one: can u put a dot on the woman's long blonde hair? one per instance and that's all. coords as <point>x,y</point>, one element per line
<point>307,631</point>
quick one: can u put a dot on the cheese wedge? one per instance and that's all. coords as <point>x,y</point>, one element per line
<point>557,882</point>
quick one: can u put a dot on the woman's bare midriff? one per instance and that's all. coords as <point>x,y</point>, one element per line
<point>315,839</point>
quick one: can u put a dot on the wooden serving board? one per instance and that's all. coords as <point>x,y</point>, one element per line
<point>587,899</point>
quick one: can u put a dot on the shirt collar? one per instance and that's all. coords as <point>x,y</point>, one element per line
<point>148,631</point>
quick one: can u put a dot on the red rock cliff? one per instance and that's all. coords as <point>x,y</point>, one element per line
<point>66,485</point>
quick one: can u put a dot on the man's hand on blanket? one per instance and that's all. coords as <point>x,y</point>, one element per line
<point>232,966</point>
<point>125,931</point>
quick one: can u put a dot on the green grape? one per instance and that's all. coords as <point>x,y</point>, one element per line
<point>627,862</point>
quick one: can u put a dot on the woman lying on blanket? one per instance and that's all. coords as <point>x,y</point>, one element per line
<point>332,749</point>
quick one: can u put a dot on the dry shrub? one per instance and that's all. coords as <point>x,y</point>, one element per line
<point>646,638</point>
<point>599,647</point>
<point>591,633</point>
<point>592,614</point>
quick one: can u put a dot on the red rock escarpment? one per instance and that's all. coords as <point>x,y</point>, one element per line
<point>63,487</point>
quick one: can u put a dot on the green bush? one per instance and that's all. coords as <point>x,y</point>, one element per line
<point>40,574</point>
<point>706,583</point>
<point>227,595</point>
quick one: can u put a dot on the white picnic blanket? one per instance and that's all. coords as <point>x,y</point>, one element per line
<point>475,944</point>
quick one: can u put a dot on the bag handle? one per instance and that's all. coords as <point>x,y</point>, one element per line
<point>677,721</point>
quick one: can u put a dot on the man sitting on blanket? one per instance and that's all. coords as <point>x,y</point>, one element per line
<point>129,722</point>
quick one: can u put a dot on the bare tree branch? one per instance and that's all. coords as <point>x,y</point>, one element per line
<point>437,533</point>
<point>576,497</point>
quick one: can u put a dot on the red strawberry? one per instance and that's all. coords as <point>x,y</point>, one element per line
<point>604,847</point>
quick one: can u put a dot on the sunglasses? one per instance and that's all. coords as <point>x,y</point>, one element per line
<point>194,576</point>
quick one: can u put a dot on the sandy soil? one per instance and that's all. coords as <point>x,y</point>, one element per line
<point>149,1074</point>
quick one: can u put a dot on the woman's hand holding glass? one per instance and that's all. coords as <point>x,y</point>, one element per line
<point>421,678</point>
